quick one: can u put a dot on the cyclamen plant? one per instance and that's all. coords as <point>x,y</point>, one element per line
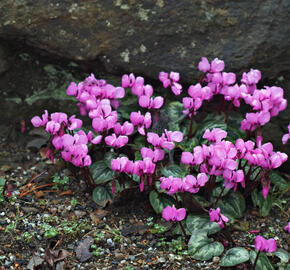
<point>214,177</point>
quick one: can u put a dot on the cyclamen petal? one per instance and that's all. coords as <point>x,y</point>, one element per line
<point>204,65</point>
<point>144,101</point>
<point>186,158</point>
<point>157,102</point>
<point>36,121</point>
<point>180,214</point>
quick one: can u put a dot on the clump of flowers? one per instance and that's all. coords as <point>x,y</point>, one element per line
<point>240,165</point>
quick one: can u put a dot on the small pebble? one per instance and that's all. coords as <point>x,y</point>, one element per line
<point>110,242</point>
<point>161,260</point>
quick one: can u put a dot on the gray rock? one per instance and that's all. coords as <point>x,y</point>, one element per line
<point>165,35</point>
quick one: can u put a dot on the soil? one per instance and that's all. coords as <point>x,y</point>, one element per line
<point>61,226</point>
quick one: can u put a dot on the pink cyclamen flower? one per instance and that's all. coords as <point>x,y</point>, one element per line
<point>286,136</point>
<point>216,135</point>
<point>287,227</point>
<point>264,245</point>
<point>173,214</point>
<point>218,217</point>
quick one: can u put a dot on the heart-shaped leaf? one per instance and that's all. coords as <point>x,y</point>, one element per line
<point>108,157</point>
<point>174,170</point>
<point>279,181</point>
<point>263,262</point>
<point>194,223</point>
<point>203,248</point>
<point>235,256</point>
<point>159,201</point>
<point>282,254</point>
<point>263,204</point>
<point>101,172</point>
<point>102,196</point>
<point>233,205</point>
<point>187,145</point>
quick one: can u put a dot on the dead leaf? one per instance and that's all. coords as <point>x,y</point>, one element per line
<point>39,194</point>
<point>54,256</point>
<point>82,251</point>
<point>95,219</point>
<point>138,228</point>
<point>34,262</point>
<point>101,213</point>
<point>67,192</point>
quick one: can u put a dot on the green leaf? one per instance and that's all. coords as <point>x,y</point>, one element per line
<point>263,204</point>
<point>159,201</point>
<point>279,181</point>
<point>282,254</point>
<point>101,195</point>
<point>263,262</point>
<point>101,172</point>
<point>235,256</point>
<point>175,113</point>
<point>203,248</point>
<point>173,170</point>
<point>188,145</point>
<point>218,189</point>
<point>108,157</point>
<point>203,223</point>
<point>233,205</point>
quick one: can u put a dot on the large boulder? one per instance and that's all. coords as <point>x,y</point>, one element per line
<point>148,36</point>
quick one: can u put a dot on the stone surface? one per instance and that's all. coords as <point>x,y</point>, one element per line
<point>153,35</point>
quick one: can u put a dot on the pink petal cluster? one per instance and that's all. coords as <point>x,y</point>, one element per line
<point>142,122</point>
<point>141,168</point>
<point>189,183</point>
<point>264,245</point>
<point>172,81</point>
<point>144,92</point>
<point>215,215</point>
<point>73,149</point>
<point>286,136</point>
<point>267,102</point>
<point>156,154</point>
<point>172,214</point>
<point>197,95</point>
<point>166,140</point>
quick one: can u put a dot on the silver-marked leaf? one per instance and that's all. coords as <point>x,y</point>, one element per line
<point>279,181</point>
<point>233,205</point>
<point>173,170</point>
<point>102,196</point>
<point>194,223</point>
<point>235,256</point>
<point>282,254</point>
<point>108,157</point>
<point>101,172</point>
<point>159,201</point>
<point>263,262</point>
<point>263,204</point>
<point>202,248</point>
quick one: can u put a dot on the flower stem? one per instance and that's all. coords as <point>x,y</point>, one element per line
<point>218,198</point>
<point>228,112</point>
<point>190,127</point>
<point>183,230</point>
<point>256,260</point>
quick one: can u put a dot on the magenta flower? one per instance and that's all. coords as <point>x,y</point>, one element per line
<point>204,65</point>
<point>171,184</point>
<point>156,154</point>
<point>151,103</point>
<point>218,217</point>
<point>264,245</point>
<point>173,214</point>
<point>286,136</point>
<point>287,227</point>
<point>171,81</point>
<point>216,135</point>
<point>192,184</point>
<point>116,142</point>
<point>141,121</point>
<point>122,164</point>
